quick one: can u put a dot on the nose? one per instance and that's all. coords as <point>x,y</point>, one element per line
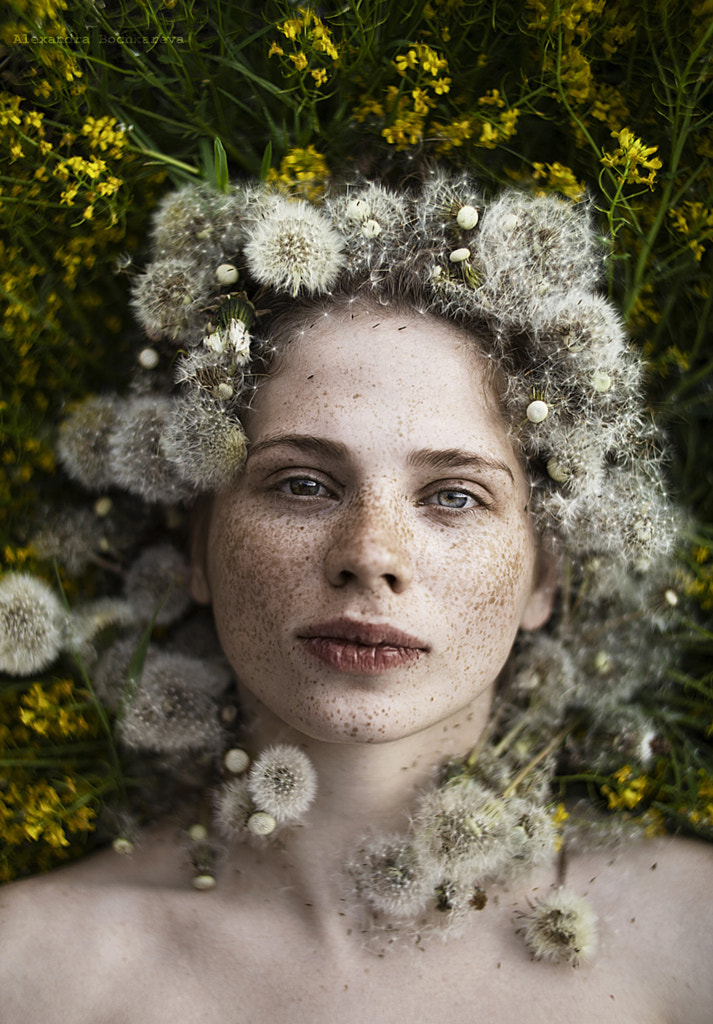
<point>371,549</point>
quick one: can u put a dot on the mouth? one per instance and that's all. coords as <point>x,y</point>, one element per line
<point>363,648</point>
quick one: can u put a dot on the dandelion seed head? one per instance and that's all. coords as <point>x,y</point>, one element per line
<point>84,439</point>
<point>167,298</point>
<point>388,878</point>
<point>135,457</point>
<point>32,624</point>
<point>283,782</point>
<point>156,584</point>
<point>561,928</point>
<point>294,248</point>
<point>232,808</point>
<point>206,446</point>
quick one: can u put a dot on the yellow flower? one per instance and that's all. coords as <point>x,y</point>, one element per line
<point>275,50</point>
<point>403,63</point>
<point>319,75</point>
<point>299,59</point>
<point>632,156</point>
<point>560,178</point>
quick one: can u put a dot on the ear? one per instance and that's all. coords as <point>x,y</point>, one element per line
<point>199,583</point>
<point>539,604</point>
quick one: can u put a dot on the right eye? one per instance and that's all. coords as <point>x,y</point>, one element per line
<point>304,487</point>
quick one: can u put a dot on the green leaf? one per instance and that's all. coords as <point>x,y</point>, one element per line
<point>222,179</point>
<point>266,160</point>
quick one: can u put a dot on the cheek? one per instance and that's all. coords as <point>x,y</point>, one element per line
<point>254,573</point>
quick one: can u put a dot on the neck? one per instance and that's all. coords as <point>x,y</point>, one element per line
<point>362,787</point>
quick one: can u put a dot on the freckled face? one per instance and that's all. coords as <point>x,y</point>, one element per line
<point>371,566</point>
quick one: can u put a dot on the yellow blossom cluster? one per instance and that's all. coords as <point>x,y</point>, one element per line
<point>558,178</point>
<point>702,813</point>
<point>699,583</point>
<point>572,18</point>
<point>309,42</point>
<point>694,221</point>
<point>38,813</point>
<point>631,159</point>
<point>493,124</point>
<point>302,172</point>
<point>629,792</point>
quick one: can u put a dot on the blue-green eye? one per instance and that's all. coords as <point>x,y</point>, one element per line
<point>452,498</point>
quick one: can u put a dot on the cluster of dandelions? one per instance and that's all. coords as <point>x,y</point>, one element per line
<point>463,837</point>
<point>522,272</point>
<point>277,788</point>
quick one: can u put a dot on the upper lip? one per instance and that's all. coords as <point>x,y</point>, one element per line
<point>371,633</point>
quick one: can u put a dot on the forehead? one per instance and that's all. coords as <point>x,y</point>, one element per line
<point>400,369</point>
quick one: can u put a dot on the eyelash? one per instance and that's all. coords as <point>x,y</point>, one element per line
<point>285,486</point>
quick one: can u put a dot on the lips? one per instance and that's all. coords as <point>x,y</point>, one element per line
<point>363,648</point>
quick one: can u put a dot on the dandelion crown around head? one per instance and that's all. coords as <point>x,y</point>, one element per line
<point>521,272</point>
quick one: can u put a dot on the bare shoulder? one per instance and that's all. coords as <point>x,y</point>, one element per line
<point>655,915</point>
<point>72,936</point>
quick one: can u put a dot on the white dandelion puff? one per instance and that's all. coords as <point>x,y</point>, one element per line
<point>461,831</point>
<point>561,928</point>
<point>283,782</point>
<point>294,248</point>
<point>157,584</point>
<point>388,878</point>
<point>232,808</point>
<point>136,460</point>
<point>169,712</point>
<point>84,439</point>
<point>168,297</point>
<point>206,446</point>
<point>32,624</point>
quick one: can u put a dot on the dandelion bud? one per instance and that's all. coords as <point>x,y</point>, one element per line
<point>261,824</point>
<point>603,663</point>
<point>283,782</point>
<point>558,471</point>
<point>467,218</point>
<point>203,883</point>
<point>601,382</point>
<point>357,210</point>
<point>123,846</point>
<point>102,507</point>
<point>537,411</point>
<point>236,761</point>
<point>32,624</point>
<point>214,341</point>
<point>198,833</point>
<point>561,928</point>
<point>371,229</point>
<point>223,392</point>
<point>671,598</point>
<point>459,255</point>
<point>226,274</point>
<point>148,358</point>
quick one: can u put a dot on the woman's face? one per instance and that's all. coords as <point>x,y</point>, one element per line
<point>371,566</point>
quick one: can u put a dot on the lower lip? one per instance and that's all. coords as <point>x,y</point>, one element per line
<point>360,659</point>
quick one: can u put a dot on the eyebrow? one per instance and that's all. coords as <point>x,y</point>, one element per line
<point>424,458</point>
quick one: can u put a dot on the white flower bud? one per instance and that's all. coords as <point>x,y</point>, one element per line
<point>371,229</point>
<point>214,342</point>
<point>602,663</point>
<point>102,507</point>
<point>467,217</point>
<point>357,210</point>
<point>459,255</point>
<point>123,846</point>
<point>601,382</point>
<point>238,338</point>
<point>226,274</point>
<point>537,411</point>
<point>198,833</point>
<point>148,358</point>
<point>203,883</point>
<point>671,598</point>
<point>558,471</point>
<point>223,392</point>
<point>236,760</point>
<point>261,824</point>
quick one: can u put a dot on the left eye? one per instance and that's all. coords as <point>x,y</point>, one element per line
<point>452,498</point>
<point>305,487</point>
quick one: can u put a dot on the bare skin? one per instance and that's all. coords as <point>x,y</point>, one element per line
<point>385,525</point>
